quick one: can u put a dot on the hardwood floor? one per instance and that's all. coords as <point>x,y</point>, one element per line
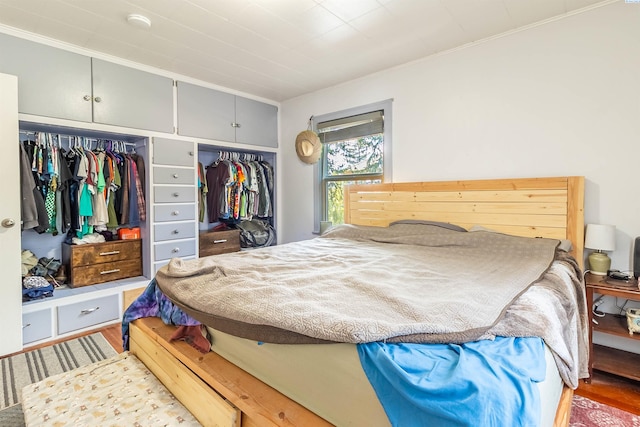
<point>612,390</point>
<point>605,388</point>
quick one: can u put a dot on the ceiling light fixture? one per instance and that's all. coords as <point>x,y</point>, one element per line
<point>139,21</point>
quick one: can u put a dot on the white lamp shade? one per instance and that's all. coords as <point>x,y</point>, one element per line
<point>600,237</point>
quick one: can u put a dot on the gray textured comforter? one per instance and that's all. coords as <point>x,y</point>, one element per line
<point>407,282</point>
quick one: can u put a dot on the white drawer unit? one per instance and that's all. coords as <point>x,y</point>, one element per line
<point>36,326</point>
<point>184,230</point>
<point>87,313</point>
<point>158,265</point>
<point>171,175</point>
<point>174,194</point>
<point>173,153</point>
<point>175,249</point>
<point>164,213</point>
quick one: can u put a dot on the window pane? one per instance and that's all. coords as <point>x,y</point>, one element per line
<point>355,156</point>
<point>335,198</point>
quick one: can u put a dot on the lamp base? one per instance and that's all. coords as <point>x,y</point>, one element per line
<point>599,263</point>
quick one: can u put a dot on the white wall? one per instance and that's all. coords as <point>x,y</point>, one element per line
<point>562,98</point>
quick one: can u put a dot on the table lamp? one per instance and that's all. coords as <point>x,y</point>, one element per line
<point>601,238</point>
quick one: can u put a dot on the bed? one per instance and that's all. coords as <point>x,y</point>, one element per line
<point>283,381</point>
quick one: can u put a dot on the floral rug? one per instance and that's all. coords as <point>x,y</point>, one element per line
<point>588,413</point>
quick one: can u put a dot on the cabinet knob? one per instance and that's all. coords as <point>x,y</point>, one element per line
<point>175,175</point>
<point>191,153</point>
<point>87,97</point>
<point>175,213</point>
<point>97,99</point>
<point>175,194</point>
<point>235,125</point>
<point>175,232</point>
<point>175,250</point>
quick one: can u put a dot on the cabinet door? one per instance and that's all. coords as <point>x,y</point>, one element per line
<point>205,113</point>
<point>257,122</point>
<point>11,313</point>
<point>124,96</point>
<point>52,82</point>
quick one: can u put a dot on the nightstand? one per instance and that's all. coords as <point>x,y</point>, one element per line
<point>603,358</point>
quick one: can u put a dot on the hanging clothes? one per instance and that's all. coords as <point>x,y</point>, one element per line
<point>77,191</point>
<point>238,189</point>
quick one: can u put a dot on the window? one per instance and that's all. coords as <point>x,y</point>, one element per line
<point>355,150</point>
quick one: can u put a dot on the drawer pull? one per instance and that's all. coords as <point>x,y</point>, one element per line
<point>176,194</point>
<point>109,253</point>
<point>115,270</point>
<point>220,241</point>
<point>175,213</point>
<point>175,250</point>
<point>89,310</point>
<point>175,175</point>
<point>26,326</point>
<point>175,232</point>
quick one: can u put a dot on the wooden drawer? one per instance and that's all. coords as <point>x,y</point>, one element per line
<point>36,326</point>
<point>97,253</point>
<point>177,249</point>
<point>83,314</point>
<point>106,272</point>
<point>173,212</point>
<point>172,152</point>
<point>219,242</point>
<point>181,230</point>
<point>164,175</point>
<point>177,194</point>
<point>102,262</point>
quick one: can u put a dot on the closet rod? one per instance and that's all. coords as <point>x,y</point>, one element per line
<point>86,138</point>
<point>234,155</point>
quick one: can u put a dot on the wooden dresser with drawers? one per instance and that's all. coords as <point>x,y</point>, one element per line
<point>94,263</point>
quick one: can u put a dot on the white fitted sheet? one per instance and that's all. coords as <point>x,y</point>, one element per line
<point>328,379</point>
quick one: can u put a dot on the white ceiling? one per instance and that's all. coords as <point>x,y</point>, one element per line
<point>277,49</point>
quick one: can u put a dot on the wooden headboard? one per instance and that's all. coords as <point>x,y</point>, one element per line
<point>530,207</point>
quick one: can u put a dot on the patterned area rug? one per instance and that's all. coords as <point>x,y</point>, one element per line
<point>588,413</point>
<point>12,416</point>
<point>27,368</point>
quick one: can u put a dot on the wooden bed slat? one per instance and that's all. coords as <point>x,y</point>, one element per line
<point>557,221</point>
<point>548,208</point>
<point>520,196</point>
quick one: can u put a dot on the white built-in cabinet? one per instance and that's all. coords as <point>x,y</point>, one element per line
<point>174,200</point>
<point>66,85</point>
<point>212,114</point>
<point>70,93</point>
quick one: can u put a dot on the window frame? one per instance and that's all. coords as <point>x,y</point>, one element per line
<point>319,204</point>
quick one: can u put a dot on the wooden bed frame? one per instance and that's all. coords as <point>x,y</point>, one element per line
<point>219,393</point>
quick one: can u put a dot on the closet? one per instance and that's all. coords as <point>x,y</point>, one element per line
<point>183,223</point>
<point>90,185</point>
<point>91,103</point>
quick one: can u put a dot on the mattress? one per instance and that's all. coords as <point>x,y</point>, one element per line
<point>328,379</point>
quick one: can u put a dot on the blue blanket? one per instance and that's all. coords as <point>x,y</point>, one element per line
<point>477,384</point>
<point>153,303</point>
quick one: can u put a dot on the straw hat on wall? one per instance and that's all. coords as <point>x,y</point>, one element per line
<point>308,146</point>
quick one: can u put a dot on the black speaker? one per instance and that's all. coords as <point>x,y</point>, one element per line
<point>636,258</point>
